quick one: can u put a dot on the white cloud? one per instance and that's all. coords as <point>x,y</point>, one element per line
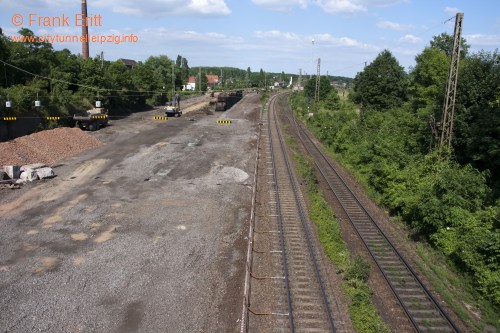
<point>329,6</point>
<point>451,10</point>
<point>392,25</point>
<point>382,3</point>
<point>353,6</point>
<point>276,34</point>
<point>483,40</point>
<point>144,8</point>
<point>209,7</point>
<point>281,5</point>
<point>405,51</point>
<point>410,39</point>
<point>28,4</point>
<point>320,40</point>
<point>341,6</point>
<point>187,36</point>
<point>158,8</point>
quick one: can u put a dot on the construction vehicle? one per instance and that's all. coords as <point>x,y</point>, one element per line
<point>172,111</point>
<point>92,119</point>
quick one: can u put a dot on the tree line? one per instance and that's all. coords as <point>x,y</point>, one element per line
<point>65,84</point>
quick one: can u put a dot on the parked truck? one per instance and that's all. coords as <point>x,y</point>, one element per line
<point>92,119</point>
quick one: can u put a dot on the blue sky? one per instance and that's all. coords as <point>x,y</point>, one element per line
<point>275,35</point>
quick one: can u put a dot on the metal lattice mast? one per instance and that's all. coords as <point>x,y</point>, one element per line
<point>316,93</point>
<point>451,86</point>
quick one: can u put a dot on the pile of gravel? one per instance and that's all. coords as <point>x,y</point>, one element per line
<point>46,147</point>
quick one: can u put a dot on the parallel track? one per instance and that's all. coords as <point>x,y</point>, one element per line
<point>307,301</point>
<point>422,309</point>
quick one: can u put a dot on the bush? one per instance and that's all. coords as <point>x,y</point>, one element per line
<point>358,270</point>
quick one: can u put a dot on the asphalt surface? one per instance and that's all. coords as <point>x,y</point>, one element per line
<point>144,234</point>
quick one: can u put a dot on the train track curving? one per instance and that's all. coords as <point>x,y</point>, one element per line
<point>298,282</point>
<point>422,309</point>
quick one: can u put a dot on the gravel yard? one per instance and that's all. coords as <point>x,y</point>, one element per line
<point>145,233</point>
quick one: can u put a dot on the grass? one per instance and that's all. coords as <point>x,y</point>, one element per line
<point>355,270</point>
<point>456,291</point>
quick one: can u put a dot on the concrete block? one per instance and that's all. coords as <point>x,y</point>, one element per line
<point>12,171</point>
<point>33,166</point>
<point>45,173</point>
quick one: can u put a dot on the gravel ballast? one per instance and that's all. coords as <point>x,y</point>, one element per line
<point>46,147</point>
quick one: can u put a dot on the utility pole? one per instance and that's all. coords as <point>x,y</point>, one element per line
<point>300,78</point>
<point>451,87</point>
<point>199,78</point>
<point>316,92</point>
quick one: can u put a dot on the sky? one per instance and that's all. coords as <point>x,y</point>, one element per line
<point>273,35</point>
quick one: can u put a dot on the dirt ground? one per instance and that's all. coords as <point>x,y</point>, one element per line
<point>145,233</point>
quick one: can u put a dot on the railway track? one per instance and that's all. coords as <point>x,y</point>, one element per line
<point>304,299</point>
<point>422,309</point>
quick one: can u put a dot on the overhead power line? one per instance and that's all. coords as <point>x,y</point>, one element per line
<point>80,85</point>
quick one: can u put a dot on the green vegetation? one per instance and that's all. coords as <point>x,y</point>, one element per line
<point>355,270</point>
<point>380,92</point>
<point>66,84</point>
<point>389,143</point>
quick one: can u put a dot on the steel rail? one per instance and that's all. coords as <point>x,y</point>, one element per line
<point>301,132</point>
<point>301,211</point>
<point>280,219</point>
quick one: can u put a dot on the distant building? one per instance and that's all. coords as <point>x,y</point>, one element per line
<point>129,63</point>
<point>191,84</point>
<point>212,80</point>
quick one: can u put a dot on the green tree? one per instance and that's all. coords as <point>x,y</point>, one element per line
<point>262,78</point>
<point>428,77</point>
<point>204,82</point>
<point>444,42</point>
<point>382,84</point>
<point>477,118</point>
<point>325,88</point>
<point>332,100</point>
<point>427,88</point>
<point>185,70</point>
